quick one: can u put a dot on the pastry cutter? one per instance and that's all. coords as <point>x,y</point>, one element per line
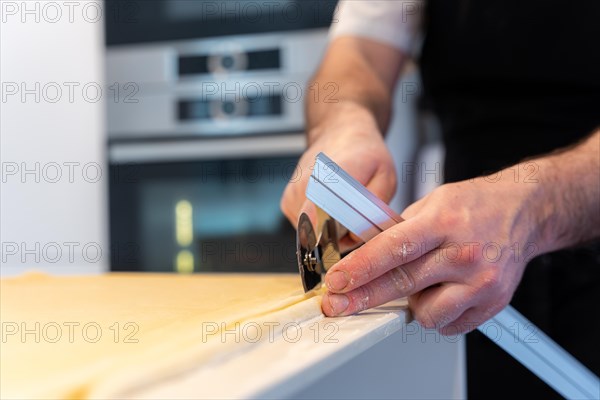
<point>344,204</point>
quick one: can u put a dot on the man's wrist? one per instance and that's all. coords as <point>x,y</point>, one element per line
<point>345,116</point>
<point>524,199</point>
<point>565,196</point>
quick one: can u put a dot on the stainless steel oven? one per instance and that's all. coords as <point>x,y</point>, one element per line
<point>205,126</point>
<point>202,206</point>
<point>193,68</point>
<point>143,21</point>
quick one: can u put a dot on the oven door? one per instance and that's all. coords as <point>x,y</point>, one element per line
<point>202,206</point>
<point>138,21</point>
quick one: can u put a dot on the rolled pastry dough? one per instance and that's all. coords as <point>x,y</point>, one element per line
<point>103,336</point>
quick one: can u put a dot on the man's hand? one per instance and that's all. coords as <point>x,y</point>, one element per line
<point>349,126</point>
<point>461,251</point>
<point>356,144</point>
<point>458,255</point>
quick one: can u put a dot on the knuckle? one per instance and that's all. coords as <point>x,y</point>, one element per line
<point>490,281</point>
<point>491,285</point>
<point>454,212</point>
<point>425,318</point>
<point>402,280</point>
<point>447,219</point>
<point>399,247</point>
<point>468,255</point>
<point>283,203</point>
<point>439,316</point>
<point>362,297</point>
<point>442,320</point>
<point>369,267</point>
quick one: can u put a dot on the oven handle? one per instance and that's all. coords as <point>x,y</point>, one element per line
<point>206,149</point>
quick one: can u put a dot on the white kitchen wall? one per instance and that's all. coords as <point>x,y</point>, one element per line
<point>53,173</point>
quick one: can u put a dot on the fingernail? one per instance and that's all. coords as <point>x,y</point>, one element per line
<point>337,280</point>
<point>338,302</point>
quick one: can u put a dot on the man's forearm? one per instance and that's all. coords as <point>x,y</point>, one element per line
<point>569,209</point>
<point>355,92</point>
<point>361,88</point>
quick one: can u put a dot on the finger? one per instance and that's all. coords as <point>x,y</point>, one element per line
<point>439,306</point>
<point>383,184</point>
<point>463,324</point>
<point>399,245</point>
<point>413,209</point>
<point>291,202</point>
<point>294,194</point>
<point>309,208</point>
<point>396,283</point>
<point>472,318</point>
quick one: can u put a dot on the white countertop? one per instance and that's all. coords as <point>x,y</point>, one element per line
<point>305,363</point>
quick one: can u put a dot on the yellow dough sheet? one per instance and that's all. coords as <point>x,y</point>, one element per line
<point>104,336</point>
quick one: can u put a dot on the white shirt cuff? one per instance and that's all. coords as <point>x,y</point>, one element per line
<point>393,22</point>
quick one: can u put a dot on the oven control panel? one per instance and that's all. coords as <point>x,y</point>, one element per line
<point>232,85</point>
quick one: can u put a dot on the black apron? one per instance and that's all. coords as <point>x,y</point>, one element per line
<point>510,80</point>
